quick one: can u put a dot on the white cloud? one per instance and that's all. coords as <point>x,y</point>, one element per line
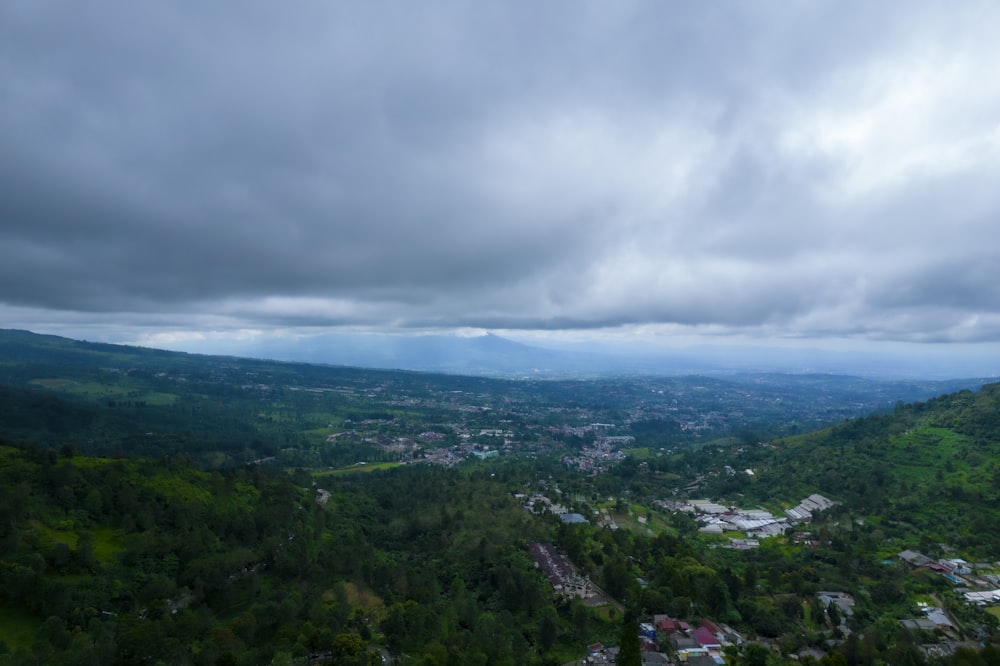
<point>895,124</point>
<point>796,172</point>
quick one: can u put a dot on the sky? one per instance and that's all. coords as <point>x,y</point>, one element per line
<point>788,173</point>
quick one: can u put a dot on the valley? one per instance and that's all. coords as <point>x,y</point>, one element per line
<point>173,508</point>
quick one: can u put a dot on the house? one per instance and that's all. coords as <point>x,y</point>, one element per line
<point>813,653</point>
<point>914,558</point>
<point>918,624</point>
<point>804,510</point>
<point>667,625</point>
<point>706,506</point>
<point>938,617</point>
<point>744,544</point>
<point>600,655</point>
<point>960,567</point>
<point>843,601</point>
<point>711,626</point>
<point>561,574</point>
<point>733,635</point>
<point>702,660</point>
<point>715,630</point>
<point>706,639</point>
<point>983,598</point>
<point>683,644</point>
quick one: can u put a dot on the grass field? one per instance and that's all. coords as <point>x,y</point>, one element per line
<point>358,467</point>
<point>638,454</point>
<point>98,391</point>
<point>107,544</point>
<point>655,521</point>
<point>107,540</point>
<point>16,628</point>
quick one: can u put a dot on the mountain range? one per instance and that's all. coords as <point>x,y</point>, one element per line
<point>498,356</point>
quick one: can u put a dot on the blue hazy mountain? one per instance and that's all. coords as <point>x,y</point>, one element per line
<point>489,355</point>
<point>494,355</point>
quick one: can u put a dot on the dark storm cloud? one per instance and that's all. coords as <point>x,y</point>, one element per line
<point>808,169</point>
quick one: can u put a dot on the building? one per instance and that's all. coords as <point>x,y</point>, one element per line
<point>707,639</point>
<point>560,572</point>
<point>914,558</point>
<point>843,601</point>
<point>804,510</point>
<point>983,598</point>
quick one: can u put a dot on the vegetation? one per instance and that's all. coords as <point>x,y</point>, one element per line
<point>134,561</point>
<point>161,508</point>
<point>113,400</point>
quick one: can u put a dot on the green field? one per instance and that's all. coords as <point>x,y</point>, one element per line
<point>93,390</point>
<point>638,454</point>
<point>655,521</point>
<point>107,541</point>
<point>358,467</point>
<point>107,544</point>
<point>16,628</point>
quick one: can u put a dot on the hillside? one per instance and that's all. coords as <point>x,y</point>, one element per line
<point>137,561</point>
<point>930,469</point>
<point>111,399</point>
<point>171,508</point>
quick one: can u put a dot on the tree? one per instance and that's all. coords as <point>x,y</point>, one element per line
<point>754,654</point>
<point>834,612</point>
<point>548,628</point>
<point>347,648</point>
<point>85,550</point>
<point>904,651</point>
<point>394,626</point>
<point>629,653</point>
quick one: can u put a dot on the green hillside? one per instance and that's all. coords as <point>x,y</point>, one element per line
<point>164,508</point>
<point>135,561</point>
<point>113,400</point>
<point>927,471</point>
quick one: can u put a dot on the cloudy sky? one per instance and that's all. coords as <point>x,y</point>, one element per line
<point>774,171</point>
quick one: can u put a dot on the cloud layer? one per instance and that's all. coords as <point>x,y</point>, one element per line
<point>796,170</point>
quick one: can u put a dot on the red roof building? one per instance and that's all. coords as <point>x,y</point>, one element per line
<point>706,639</point>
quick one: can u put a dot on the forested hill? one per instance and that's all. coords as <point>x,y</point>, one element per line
<point>145,562</point>
<point>929,469</point>
<point>205,554</point>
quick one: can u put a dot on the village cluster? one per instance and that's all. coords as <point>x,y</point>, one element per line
<point>977,582</point>
<point>754,524</point>
<point>667,640</point>
<point>702,644</point>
